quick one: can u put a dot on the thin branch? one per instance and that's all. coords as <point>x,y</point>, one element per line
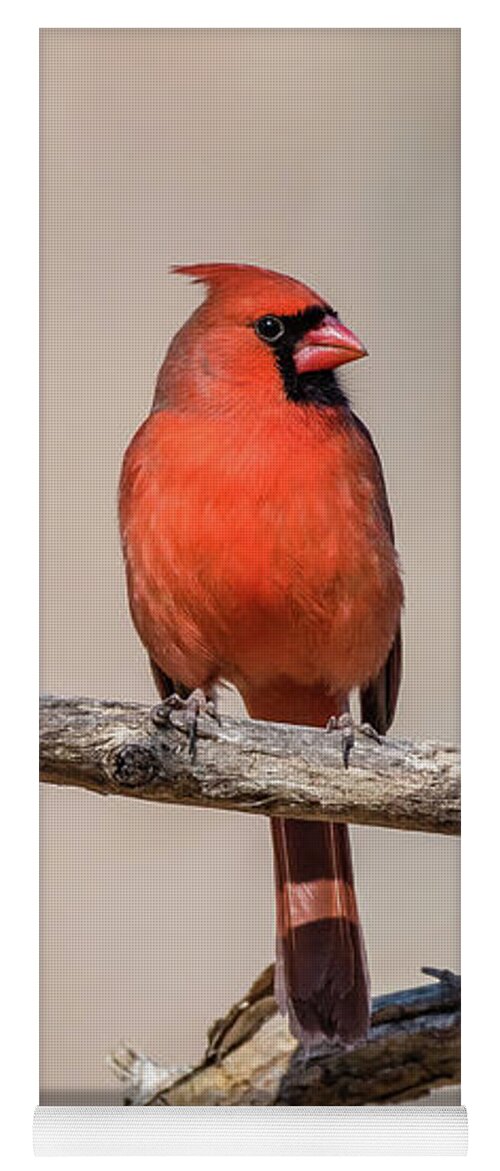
<point>413,1047</point>
<point>115,748</point>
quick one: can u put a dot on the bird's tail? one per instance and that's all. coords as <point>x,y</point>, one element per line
<point>322,977</point>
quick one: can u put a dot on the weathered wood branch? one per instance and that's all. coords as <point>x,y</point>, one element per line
<point>252,1060</point>
<point>250,766</point>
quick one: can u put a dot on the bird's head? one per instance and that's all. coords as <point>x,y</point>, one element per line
<point>262,334</point>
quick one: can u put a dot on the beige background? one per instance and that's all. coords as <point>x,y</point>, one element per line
<point>331,155</point>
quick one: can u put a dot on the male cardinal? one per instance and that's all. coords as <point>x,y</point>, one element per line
<point>259,550</point>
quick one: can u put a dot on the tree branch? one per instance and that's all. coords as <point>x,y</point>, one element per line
<point>252,1060</point>
<point>115,748</point>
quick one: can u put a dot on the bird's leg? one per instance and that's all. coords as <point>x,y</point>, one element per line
<point>198,703</point>
<point>345,725</point>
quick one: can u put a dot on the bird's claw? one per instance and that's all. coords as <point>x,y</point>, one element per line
<point>196,704</point>
<point>371,733</point>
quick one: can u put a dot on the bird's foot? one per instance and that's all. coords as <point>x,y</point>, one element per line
<point>347,728</point>
<point>345,725</point>
<point>196,704</point>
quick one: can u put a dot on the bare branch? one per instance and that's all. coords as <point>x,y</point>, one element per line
<point>252,1060</point>
<point>115,748</point>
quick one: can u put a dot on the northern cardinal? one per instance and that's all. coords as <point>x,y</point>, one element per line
<point>259,550</point>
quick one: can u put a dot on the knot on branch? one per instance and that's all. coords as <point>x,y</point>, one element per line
<point>135,765</point>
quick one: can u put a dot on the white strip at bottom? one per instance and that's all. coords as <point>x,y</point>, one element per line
<point>250,1130</point>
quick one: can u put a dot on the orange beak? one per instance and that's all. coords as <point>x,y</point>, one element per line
<point>331,344</point>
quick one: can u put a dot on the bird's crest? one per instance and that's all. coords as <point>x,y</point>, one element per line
<point>251,284</point>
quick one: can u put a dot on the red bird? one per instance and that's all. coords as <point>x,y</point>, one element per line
<point>259,550</point>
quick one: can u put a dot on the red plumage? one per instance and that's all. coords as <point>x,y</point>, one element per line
<point>259,550</point>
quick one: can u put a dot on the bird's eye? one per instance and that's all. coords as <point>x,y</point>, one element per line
<point>270,328</point>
